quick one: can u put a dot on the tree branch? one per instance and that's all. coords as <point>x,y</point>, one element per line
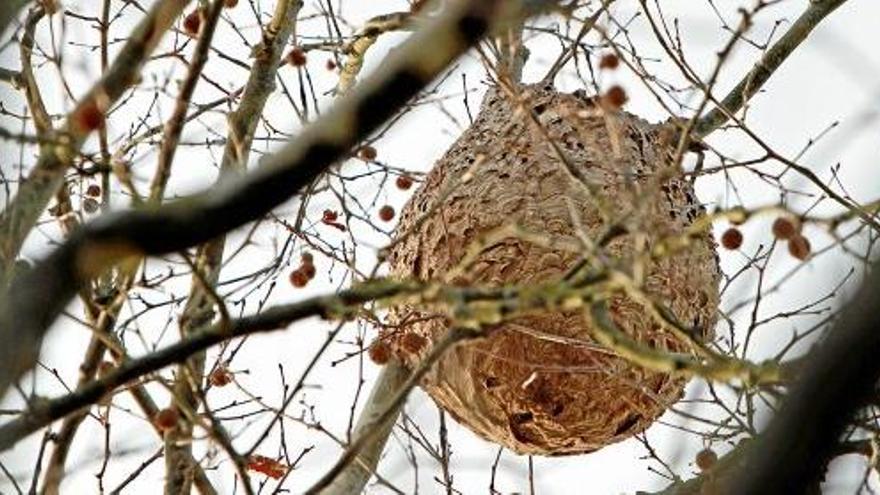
<point>8,10</point>
<point>355,476</point>
<point>47,175</point>
<point>42,412</point>
<point>761,72</point>
<point>372,430</point>
<point>206,269</point>
<point>841,377</point>
<point>35,299</point>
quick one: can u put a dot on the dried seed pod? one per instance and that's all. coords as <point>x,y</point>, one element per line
<point>89,116</point>
<point>267,466</point>
<point>380,352</point>
<point>192,23</point>
<point>799,247</point>
<point>609,61</point>
<point>329,216</point>
<point>297,57</point>
<point>732,238</point>
<point>705,459</point>
<point>785,228</point>
<point>386,213</point>
<point>544,395</point>
<point>166,419</point>
<point>220,377</point>
<point>299,278</point>
<point>309,270</point>
<point>615,97</point>
<point>367,153</point>
<point>404,182</point>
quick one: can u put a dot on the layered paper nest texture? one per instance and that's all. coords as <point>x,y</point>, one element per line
<point>537,158</point>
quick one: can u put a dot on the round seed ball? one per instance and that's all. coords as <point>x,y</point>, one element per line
<point>404,182</point>
<point>522,386</point>
<point>220,377</point>
<point>367,153</point>
<point>732,238</point>
<point>192,23</point>
<point>705,459</point>
<point>89,116</point>
<point>785,228</point>
<point>166,419</point>
<point>386,213</point>
<point>616,97</point>
<point>309,270</point>
<point>297,57</point>
<point>299,278</point>
<point>609,61</point>
<point>380,352</point>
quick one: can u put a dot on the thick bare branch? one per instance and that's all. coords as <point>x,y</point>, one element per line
<point>42,412</point>
<point>841,377</point>
<point>355,476</point>
<point>242,125</point>
<point>374,431</point>
<point>35,299</point>
<point>816,11</point>
<point>17,220</point>
<point>8,10</point>
<point>356,49</point>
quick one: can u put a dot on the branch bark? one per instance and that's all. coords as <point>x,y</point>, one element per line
<point>34,300</point>
<point>42,412</point>
<point>242,125</point>
<point>739,96</point>
<point>8,11</point>
<point>47,175</point>
<point>354,478</point>
<point>840,379</point>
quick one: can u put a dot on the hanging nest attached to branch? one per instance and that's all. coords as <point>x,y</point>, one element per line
<point>523,387</point>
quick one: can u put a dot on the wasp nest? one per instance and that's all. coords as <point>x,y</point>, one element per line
<point>534,164</point>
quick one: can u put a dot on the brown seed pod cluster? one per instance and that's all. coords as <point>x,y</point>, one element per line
<point>305,272</point>
<point>789,229</point>
<point>522,386</point>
